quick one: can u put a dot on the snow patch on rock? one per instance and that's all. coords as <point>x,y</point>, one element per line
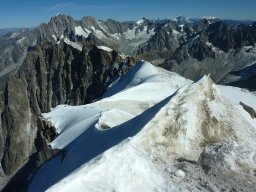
<point>73,44</point>
<point>105,48</point>
<point>79,31</point>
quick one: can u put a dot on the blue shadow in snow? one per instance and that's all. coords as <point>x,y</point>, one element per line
<point>88,145</point>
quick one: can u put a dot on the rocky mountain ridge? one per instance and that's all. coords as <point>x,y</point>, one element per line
<point>72,62</point>
<point>51,75</point>
<point>190,48</point>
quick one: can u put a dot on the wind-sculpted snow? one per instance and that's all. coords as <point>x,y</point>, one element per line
<point>88,145</point>
<point>187,137</point>
<point>145,82</point>
<point>80,136</point>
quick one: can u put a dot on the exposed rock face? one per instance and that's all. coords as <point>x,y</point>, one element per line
<point>13,46</point>
<point>58,26</point>
<point>228,37</point>
<point>51,75</point>
<point>201,26</point>
<point>16,119</point>
<point>162,44</point>
<point>215,49</point>
<point>182,20</point>
<point>13,50</point>
<point>249,109</point>
<point>116,27</point>
<point>205,43</point>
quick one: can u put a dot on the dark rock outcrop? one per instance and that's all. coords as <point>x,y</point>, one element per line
<point>227,37</point>
<point>153,40</point>
<point>216,49</point>
<point>249,110</point>
<point>51,75</point>
<point>162,44</point>
<point>58,26</point>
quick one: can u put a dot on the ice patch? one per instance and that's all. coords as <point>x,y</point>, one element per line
<point>140,22</point>
<point>14,35</point>
<point>105,48</point>
<point>61,37</point>
<point>54,37</point>
<point>98,33</point>
<point>116,35</point>
<point>73,44</point>
<point>87,31</point>
<point>182,28</point>
<point>175,32</point>
<point>215,49</point>
<point>103,27</point>
<point>79,31</point>
<point>21,40</point>
<point>144,34</point>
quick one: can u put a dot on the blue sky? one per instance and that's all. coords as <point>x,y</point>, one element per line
<point>28,13</point>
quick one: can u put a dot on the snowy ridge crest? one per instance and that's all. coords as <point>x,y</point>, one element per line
<point>166,140</point>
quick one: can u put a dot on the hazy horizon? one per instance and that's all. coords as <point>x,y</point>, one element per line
<point>31,13</point>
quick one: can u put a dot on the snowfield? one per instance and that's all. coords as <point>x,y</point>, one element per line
<point>127,40</point>
<point>154,130</point>
<point>81,32</point>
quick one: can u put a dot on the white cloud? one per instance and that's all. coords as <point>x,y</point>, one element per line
<point>68,6</point>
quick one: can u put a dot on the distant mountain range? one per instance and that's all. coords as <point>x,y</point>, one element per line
<point>4,31</point>
<point>166,42</point>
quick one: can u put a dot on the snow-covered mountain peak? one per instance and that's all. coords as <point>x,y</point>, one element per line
<point>141,21</point>
<point>209,17</point>
<point>59,14</point>
<point>196,116</point>
<point>181,20</point>
<point>143,75</point>
<point>156,127</point>
<point>60,18</point>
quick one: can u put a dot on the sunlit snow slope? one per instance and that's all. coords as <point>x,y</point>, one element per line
<point>153,130</point>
